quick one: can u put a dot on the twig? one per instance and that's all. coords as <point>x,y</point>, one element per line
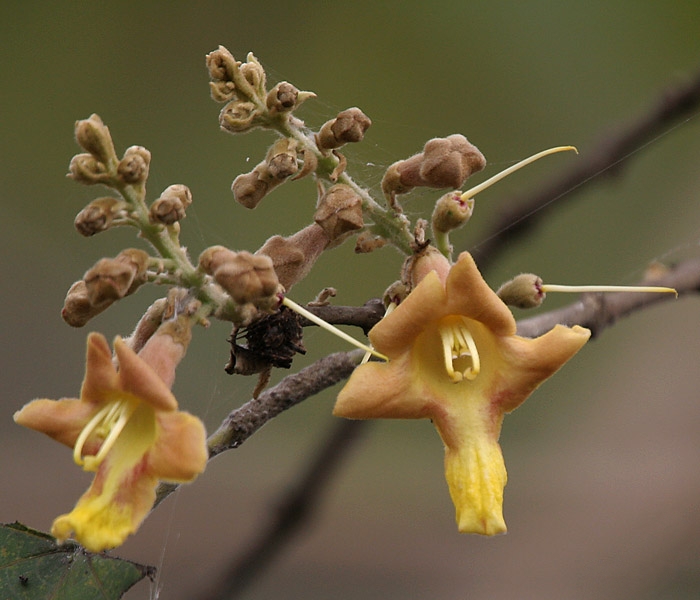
<point>606,159</point>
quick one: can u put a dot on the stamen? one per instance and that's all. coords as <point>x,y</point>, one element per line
<point>328,327</point>
<point>550,287</point>
<point>489,182</point>
<point>109,421</point>
<point>457,343</point>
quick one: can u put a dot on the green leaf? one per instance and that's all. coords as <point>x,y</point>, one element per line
<point>34,567</point>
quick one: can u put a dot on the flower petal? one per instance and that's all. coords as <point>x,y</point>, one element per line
<point>139,379</point>
<point>470,296</point>
<point>101,377</point>
<point>63,420</point>
<point>180,452</point>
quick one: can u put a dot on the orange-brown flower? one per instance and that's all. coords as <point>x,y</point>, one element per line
<point>455,358</point>
<point>126,427</point>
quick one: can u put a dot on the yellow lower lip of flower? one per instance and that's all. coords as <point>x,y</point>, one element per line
<point>476,476</point>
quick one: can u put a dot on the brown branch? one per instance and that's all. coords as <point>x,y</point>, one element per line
<point>605,159</point>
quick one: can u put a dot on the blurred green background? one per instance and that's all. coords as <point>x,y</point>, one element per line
<point>602,501</point>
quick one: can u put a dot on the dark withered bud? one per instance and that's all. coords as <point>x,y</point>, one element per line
<point>339,213</point>
<point>98,215</point>
<point>86,169</point>
<point>451,212</point>
<point>239,116</point>
<point>94,137</point>
<point>133,167</point>
<point>349,126</point>
<point>282,159</point>
<point>444,162</point>
<point>113,278</point>
<point>395,293</point>
<point>294,256</point>
<point>77,308</point>
<point>171,205</point>
<point>523,291</point>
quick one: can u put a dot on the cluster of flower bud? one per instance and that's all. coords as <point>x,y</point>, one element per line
<point>100,163</point>
<point>170,207</point>
<point>109,280</point>
<point>443,163</point>
<point>243,87</point>
<point>347,127</point>
<point>249,279</point>
<point>339,213</point>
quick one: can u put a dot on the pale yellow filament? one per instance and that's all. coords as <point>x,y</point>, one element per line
<point>109,421</point>
<point>458,342</point>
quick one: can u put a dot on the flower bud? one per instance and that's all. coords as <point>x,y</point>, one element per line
<point>77,308</point>
<point>367,242</point>
<point>523,291</point>
<point>282,159</point>
<point>349,126</point>
<point>282,97</point>
<point>171,205</point>
<point>239,116</point>
<point>417,266</point>
<point>444,162</point>
<point>451,212</point>
<point>93,136</point>
<point>294,256</point>
<point>111,279</point>
<point>133,168</point>
<point>250,188</point>
<point>254,74</point>
<point>86,169</point>
<point>248,278</point>
<point>339,213</point>
<point>222,91</point>
<point>98,215</point>
<point>221,64</point>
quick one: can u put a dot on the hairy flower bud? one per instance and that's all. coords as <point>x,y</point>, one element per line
<point>77,308</point>
<point>451,212</point>
<point>294,256</point>
<point>239,116</point>
<point>444,162</point>
<point>367,242</point>
<point>93,136</point>
<point>339,213</point>
<point>222,91</point>
<point>523,291</point>
<point>133,167</point>
<point>248,278</point>
<point>349,126</point>
<point>250,188</point>
<point>254,74</point>
<point>221,64</point>
<point>282,97</point>
<point>282,159</point>
<point>86,169</point>
<point>98,215</point>
<point>171,205</point>
<point>111,279</point>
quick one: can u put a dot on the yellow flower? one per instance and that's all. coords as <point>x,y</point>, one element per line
<point>126,428</point>
<point>454,358</point>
